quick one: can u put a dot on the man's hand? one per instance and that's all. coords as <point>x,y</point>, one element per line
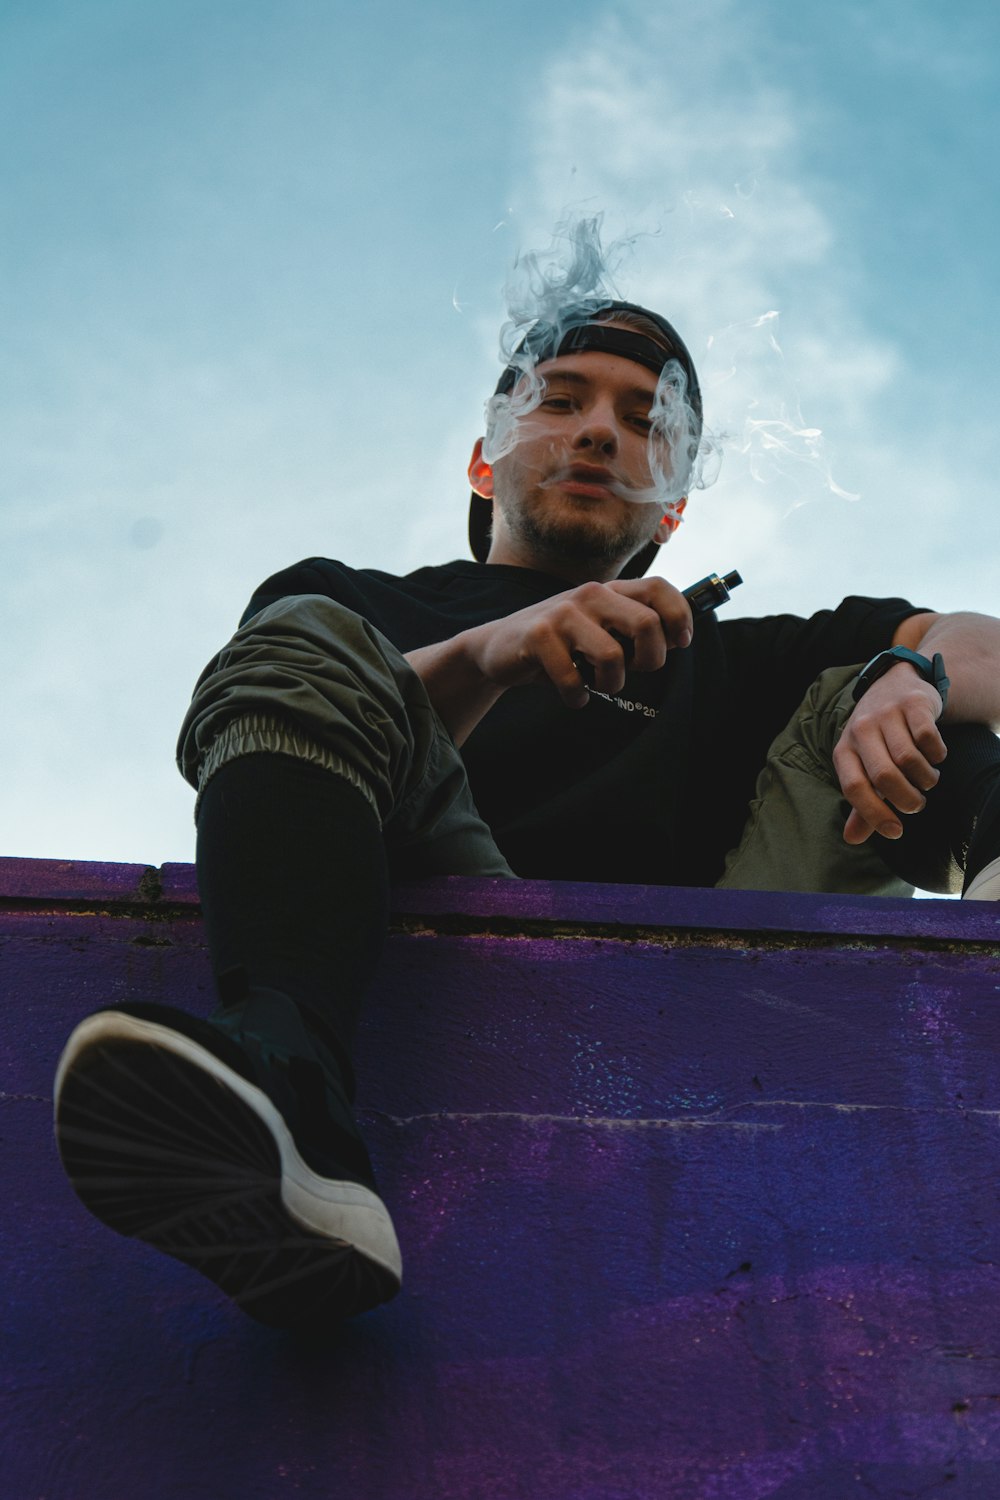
<point>542,641</point>
<point>888,753</point>
<point>466,675</point>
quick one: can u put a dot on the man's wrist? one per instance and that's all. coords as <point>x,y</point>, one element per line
<point>930,669</point>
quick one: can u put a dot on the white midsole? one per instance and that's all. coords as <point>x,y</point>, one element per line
<point>338,1210</point>
<point>986,885</point>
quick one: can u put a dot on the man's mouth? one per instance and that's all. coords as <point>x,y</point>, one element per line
<point>586,479</point>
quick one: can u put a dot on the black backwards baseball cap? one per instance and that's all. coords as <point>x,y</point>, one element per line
<point>576,331</point>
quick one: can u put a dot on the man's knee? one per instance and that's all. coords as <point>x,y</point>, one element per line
<point>309,678</point>
<point>793,838</point>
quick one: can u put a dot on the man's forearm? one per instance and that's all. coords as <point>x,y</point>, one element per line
<point>970,645</point>
<point>545,642</point>
<point>455,685</point>
<point>888,756</point>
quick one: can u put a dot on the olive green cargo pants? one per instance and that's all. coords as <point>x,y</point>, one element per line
<point>307,677</point>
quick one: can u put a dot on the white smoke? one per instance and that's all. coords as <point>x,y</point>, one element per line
<point>703,171</point>
<point>555,287</point>
<point>766,426</point>
<point>544,286</point>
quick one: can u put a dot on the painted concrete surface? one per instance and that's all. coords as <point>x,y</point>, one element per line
<point>698,1194</point>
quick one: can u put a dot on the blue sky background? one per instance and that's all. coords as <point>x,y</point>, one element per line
<point>251,270</point>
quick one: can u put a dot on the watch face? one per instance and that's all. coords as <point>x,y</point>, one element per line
<point>871,673</point>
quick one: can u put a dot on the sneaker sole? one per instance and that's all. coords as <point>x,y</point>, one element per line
<point>163,1142</point>
<point>986,885</point>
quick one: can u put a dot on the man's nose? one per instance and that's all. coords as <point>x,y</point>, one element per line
<point>597,430</point>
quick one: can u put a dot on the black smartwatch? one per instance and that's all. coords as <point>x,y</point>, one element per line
<point>930,671</point>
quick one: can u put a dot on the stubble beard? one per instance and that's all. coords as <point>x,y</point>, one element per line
<point>574,538</point>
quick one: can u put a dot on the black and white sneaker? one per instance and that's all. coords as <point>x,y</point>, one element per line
<point>982,867</point>
<point>233,1154</point>
<point>985,885</point>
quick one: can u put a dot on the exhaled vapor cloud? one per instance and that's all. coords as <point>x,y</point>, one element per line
<point>658,122</point>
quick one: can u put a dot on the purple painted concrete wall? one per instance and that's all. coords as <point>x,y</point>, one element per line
<point>698,1194</point>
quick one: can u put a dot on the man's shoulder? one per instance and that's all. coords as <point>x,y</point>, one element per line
<point>851,607</point>
<point>410,608</point>
<point>314,572</point>
<point>460,578</point>
<point>859,624</point>
<point>311,575</point>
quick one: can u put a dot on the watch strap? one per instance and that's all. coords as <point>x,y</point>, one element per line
<point>930,669</point>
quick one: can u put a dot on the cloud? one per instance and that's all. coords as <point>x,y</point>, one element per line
<point>676,126</point>
<point>950,47</point>
<point>208,279</point>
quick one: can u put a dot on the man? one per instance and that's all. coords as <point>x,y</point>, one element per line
<point>606,735</point>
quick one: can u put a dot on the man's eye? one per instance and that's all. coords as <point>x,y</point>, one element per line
<point>644,423</point>
<point>558,403</point>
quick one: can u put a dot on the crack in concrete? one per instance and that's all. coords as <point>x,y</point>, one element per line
<point>906,1109</point>
<point>605,1122</point>
<point>674,1122</point>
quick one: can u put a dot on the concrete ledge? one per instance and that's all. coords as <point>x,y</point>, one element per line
<point>90,885</point>
<point>698,1193</point>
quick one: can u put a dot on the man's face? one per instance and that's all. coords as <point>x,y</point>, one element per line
<point>560,494</point>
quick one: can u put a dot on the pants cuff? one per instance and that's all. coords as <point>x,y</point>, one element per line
<point>255,734</point>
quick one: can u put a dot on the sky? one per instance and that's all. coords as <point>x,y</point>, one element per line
<point>252,270</point>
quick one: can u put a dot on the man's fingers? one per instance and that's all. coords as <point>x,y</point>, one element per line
<point>894,782</point>
<point>927,738</point>
<point>609,630</point>
<point>870,811</point>
<point>551,650</point>
<point>883,774</point>
<point>887,756</point>
<point>597,630</point>
<point>579,654</point>
<point>672,610</point>
<point>909,773</point>
<point>856,830</point>
<point>602,655</point>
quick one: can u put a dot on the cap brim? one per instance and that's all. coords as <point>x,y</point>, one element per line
<point>480,526</point>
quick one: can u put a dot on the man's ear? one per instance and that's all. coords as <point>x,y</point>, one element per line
<point>670,523</point>
<point>480,472</point>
